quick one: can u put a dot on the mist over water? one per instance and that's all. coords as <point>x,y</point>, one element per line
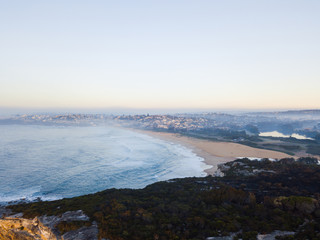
<point>54,162</point>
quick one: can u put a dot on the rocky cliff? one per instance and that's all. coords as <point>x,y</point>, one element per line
<point>20,228</point>
<point>48,227</point>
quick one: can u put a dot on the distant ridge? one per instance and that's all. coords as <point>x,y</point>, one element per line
<point>291,112</point>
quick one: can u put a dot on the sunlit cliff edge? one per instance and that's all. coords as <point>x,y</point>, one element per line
<point>48,227</point>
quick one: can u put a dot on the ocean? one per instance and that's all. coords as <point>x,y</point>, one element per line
<point>54,162</point>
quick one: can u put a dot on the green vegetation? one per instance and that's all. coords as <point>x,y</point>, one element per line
<point>64,226</point>
<point>280,195</point>
<point>313,149</point>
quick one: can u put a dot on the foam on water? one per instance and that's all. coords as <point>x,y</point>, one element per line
<point>27,195</point>
<point>50,162</point>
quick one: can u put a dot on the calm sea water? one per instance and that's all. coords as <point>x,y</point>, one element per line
<point>54,162</point>
<point>278,134</point>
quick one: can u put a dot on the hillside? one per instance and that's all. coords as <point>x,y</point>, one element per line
<point>254,197</point>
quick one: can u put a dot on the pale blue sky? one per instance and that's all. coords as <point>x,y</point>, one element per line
<point>160,54</point>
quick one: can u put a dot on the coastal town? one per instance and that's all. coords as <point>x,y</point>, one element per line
<point>302,122</point>
<point>159,122</point>
<point>249,129</point>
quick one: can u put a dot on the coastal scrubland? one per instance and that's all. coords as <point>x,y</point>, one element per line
<point>253,197</point>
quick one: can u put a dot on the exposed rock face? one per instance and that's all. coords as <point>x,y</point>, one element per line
<point>83,233</point>
<point>270,236</point>
<point>52,221</point>
<point>273,235</point>
<point>45,228</point>
<point>240,169</point>
<point>20,228</point>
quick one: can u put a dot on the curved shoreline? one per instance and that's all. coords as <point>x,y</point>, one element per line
<point>215,153</point>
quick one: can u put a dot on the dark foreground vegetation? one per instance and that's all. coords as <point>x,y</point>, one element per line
<point>253,197</point>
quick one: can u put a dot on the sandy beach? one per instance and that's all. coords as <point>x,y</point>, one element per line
<point>213,152</point>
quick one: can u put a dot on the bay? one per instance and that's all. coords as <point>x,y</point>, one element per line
<point>53,162</point>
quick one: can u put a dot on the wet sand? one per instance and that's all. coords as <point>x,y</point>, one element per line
<point>213,152</point>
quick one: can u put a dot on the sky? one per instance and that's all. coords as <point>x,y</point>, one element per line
<point>167,54</point>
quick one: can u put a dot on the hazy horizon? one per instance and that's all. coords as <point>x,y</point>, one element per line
<point>8,112</point>
<point>140,55</point>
